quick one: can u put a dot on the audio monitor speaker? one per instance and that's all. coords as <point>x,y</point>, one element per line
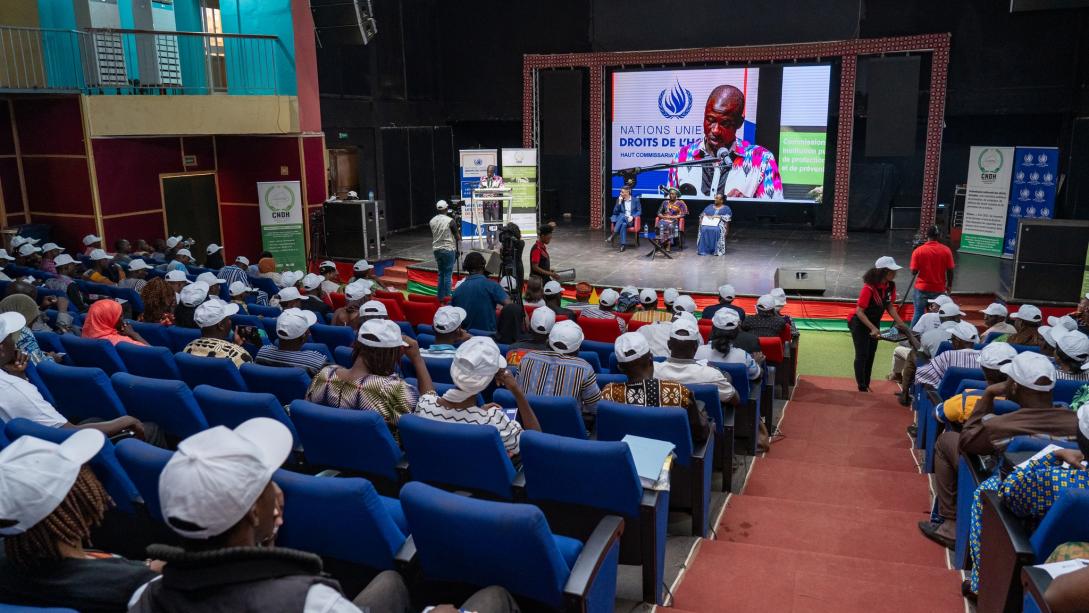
<point>808,280</point>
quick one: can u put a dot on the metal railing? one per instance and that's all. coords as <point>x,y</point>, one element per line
<point>146,62</point>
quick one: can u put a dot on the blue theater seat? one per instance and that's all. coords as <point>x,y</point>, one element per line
<point>462,456</point>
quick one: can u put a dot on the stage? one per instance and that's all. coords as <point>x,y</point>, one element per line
<point>752,255</point>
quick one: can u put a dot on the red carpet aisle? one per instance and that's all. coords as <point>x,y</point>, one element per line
<point>827,519</point>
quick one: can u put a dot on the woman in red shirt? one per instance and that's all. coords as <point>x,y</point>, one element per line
<point>878,296</point>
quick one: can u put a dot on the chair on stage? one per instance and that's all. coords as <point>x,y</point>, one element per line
<point>634,227</point>
<point>678,235</point>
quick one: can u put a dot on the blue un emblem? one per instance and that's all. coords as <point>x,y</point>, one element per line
<point>675,102</point>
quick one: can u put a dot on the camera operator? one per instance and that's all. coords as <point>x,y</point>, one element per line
<point>933,264</point>
<point>445,234</point>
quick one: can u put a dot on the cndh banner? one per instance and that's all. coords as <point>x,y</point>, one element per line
<point>1032,190</point>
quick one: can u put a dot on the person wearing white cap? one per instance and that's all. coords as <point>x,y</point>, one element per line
<point>372,383</point>
<point>211,280</point>
<point>1031,380</point>
<point>102,269</point>
<point>765,321</point>
<point>239,291</point>
<point>944,315</point>
<point>292,332</point>
<point>644,388</point>
<point>475,365</point>
<point>66,267</point>
<point>559,371</point>
<point>173,242</point>
<point>355,294</point>
<point>647,309</point>
<point>90,243</point>
<point>681,366</point>
<point>27,256</point>
<point>1027,320</point>
<point>314,298</point>
<point>540,326</point>
<point>182,258</point>
<point>217,339</point>
<point>963,336</point>
<point>722,347</point>
<point>726,296</point>
<point>190,297</point>
<point>50,251</point>
<point>330,277</point>
<point>995,318</point>
<point>553,298</point>
<point>445,234</point>
<point>449,332</point>
<point>1071,352</point>
<point>932,263</point>
<point>136,276</point>
<point>878,296</point>
<point>50,502</point>
<point>213,256</point>
<point>606,308</point>
<point>362,269</point>
<point>991,360</point>
<point>237,272</point>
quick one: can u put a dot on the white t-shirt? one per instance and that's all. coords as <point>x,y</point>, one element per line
<point>694,371</point>
<point>441,237</point>
<point>657,335</point>
<point>927,321</point>
<point>19,398</point>
<point>509,431</point>
<point>737,355</point>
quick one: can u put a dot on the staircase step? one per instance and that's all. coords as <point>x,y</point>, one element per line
<point>864,488</point>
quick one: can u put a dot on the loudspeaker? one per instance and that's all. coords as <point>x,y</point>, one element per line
<point>1050,260</point>
<point>1036,282</point>
<point>343,22</point>
<point>808,280</point>
<point>492,260</point>
<point>355,228</point>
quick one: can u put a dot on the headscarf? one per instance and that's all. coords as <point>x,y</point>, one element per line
<point>102,320</point>
<point>21,304</point>
<point>266,265</point>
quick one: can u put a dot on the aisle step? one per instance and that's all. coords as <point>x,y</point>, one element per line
<point>819,452</point>
<point>866,488</point>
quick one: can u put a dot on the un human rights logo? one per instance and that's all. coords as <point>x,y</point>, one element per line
<point>675,102</point>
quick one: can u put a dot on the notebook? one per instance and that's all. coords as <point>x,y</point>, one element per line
<point>652,460</point>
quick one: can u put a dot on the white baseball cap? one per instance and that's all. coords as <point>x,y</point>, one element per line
<point>542,320</point>
<point>475,364</point>
<point>289,278</point>
<point>361,266</point>
<point>648,296</point>
<point>312,281</point>
<point>36,476</point>
<point>684,303</point>
<point>565,336</point>
<point>216,476</point>
<point>213,311</point>
<point>133,265</point>
<point>631,346</point>
<point>210,278</point>
<point>552,288</point>
<point>608,297</point>
<point>62,260</point>
<point>1083,420</point>
<point>289,294</point>
<point>669,295</point>
<point>237,288</point>
<point>449,318</point>
<point>381,333</point>
<point>183,252</point>
<point>950,309</point>
<point>373,308</point>
<point>327,264</point>
<point>172,276</point>
<point>357,290</point>
<point>91,239</point>
<point>940,300</point>
<point>995,355</point>
<point>1071,342</point>
<point>965,332</point>
<point>630,289</point>
<point>193,294</point>
<point>16,241</point>
<point>98,254</point>
<point>780,296</point>
<point>441,205</point>
<point>10,323</point>
<point>4,255</point>
<point>243,260</point>
<point>212,248</point>
<point>1028,312</point>
<point>1028,367</point>
<point>51,247</point>
<point>1065,321</point>
<point>171,241</point>
<point>293,323</point>
<point>684,329</point>
<point>886,261</point>
<point>727,292</point>
<point>766,302</point>
<point>27,249</point>
<point>508,283</point>
<point>996,309</point>
<point>726,319</point>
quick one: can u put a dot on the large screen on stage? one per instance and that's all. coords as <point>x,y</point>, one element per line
<point>749,133</point>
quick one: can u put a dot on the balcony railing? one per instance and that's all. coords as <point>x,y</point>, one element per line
<point>146,62</point>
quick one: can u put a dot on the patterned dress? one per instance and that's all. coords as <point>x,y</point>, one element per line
<point>659,393</point>
<point>390,396</point>
<point>669,228</point>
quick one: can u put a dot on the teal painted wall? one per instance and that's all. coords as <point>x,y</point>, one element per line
<point>61,49</point>
<point>270,17</point>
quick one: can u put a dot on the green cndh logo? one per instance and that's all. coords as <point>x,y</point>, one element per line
<point>990,160</point>
<point>279,200</point>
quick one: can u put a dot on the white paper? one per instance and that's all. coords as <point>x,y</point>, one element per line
<point>1058,569</point>
<point>1039,454</point>
<point>709,221</point>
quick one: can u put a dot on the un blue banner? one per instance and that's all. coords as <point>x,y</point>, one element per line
<point>1032,190</point>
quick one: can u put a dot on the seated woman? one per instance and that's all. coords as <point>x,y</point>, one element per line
<point>476,364</point>
<point>670,214</point>
<point>104,320</point>
<point>25,342</point>
<point>159,300</point>
<point>714,221</point>
<point>49,503</point>
<point>371,383</point>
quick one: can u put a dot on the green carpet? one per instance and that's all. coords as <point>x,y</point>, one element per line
<point>830,354</point>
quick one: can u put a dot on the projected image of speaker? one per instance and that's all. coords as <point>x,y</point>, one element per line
<point>343,22</point>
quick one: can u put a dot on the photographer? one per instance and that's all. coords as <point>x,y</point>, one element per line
<point>445,235</point>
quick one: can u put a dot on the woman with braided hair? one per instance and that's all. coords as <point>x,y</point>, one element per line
<point>49,504</point>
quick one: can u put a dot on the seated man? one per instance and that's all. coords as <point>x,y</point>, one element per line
<point>478,295</point>
<point>330,277</point>
<point>779,294</point>
<point>238,292</point>
<point>236,272</point>
<point>49,504</point>
<point>364,270</point>
<point>560,372</point>
<point>190,297</point>
<point>448,332</point>
<point>314,298</point>
<point>355,293</point>
<point>136,277</point>
<point>293,331</point>
<point>1027,321</point>
<point>902,356</point>
<point>553,293</point>
<point>102,269</point>
<point>372,309</point>
<point>765,322</point>
<point>991,360</point>
<point>644,388</point>
<point>684,341</point>
<point>721,348</point>
<point>182,258</point>
<point>1071,352</point>
<point>1031,379</point>
<point>994,317</point>
<point>648,301</point>
<point>605,310</point>
<point>217,494</point>
<point>214,320</point>
<point>540,325</point>
<point>964,336</point>
<point>726,295</point>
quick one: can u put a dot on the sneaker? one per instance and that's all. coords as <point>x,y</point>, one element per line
<point>912,430</point>
<point>944,534</point>
<point>966,591</point>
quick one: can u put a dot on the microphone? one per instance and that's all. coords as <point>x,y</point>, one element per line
<point>723,154</point>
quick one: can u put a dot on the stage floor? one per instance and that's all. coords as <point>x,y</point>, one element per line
<point>752,255</point>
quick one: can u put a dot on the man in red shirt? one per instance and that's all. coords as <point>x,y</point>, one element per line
<point>933,263</point>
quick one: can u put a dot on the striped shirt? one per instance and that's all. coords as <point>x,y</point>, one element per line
<point>509,431</point>
<point>547,373</point>
<point>1062,375</point>
<point>232,273</point>
<point>136,285</point>
<point>310,361</point>
<point>390,396</point>
<point>931,374</point>
<point>596,313</point>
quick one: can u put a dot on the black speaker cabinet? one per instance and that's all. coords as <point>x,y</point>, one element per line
<point>1050,260</point>
<point>355,228</point>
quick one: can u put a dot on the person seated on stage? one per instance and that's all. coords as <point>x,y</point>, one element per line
<point>315,298</point>
<point>725,326</point>
<point>560,372</point>
<point>355,293</point>
<point>657,334</point>
<point>648,299</point>
<point>213,256</point>
<point>553,293</point>
<point>136,277</point>
<point>364,270</point>
<point>781,301</point>
<point>605,310</point>
<point>102,269</point>
<point>992,358</point>
<point>765,322</point>
<point>726,295</point>
<point>540,325</point>
<point>50,501</point>
<point>714,220</point>
<point>534,292</point>
<point>995,318</point>
<point>540,263</point>
<point>670,214</point>
<point>511,323</point>
<point>1070,352</point>
<point>190,297</point>
<point>1031,381</point>
<point>217,336</point>
<point>681,366</point>
<point>629,300</point>
<point>1027,320</point>
<point>330,283</point>
<point>645,388</point>
<point>478,295</point>
<point>449,333</point>
<point>626,209</point>
<point>964,336</point>
<point>293,331</point>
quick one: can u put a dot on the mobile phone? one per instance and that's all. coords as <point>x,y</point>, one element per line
<point>251,334</point>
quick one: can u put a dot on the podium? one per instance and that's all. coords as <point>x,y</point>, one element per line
<point>488,210</point>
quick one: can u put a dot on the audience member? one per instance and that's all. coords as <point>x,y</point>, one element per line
<point>288,298</point>
<point>1027,320</point>
<point>355,293</point>
<point>534,293</point>
<point>765,322</point>
<point>191,297</point>
<point>212,281</point>
<point>159,300</point>
<point>476,364</point>
<point>647,306</point>
<point>136,277</point>
<point>449,332</point>
<point>213,257</point>
<point>371,383</point>
<point>645,388</point>
<point>606,309</point>
<point>682,367</point>
<point>66,267</point>
<point>293,331</point>
<point>991,360</point>
<point>904,356</point>
<point>182,259</point>
<point>27,256</point>
<point>631,299</point>
<point>177,280</point>
<point>25,341</point>
<point>363,269</point>
<point>330,278</point>
<point>90,243</point>
<point>217,338</point>
<point>5,259</point>
<point>266,268</point>
<point>102,269</point>
<point>158,250</point>
<point>50,251</point>
<point>1080,315</point>
<point>553,296</point>
<point>1071,352</point>
<point>236,272</point>
<point>388,593</point>
<point>725,326</point>
<point>511,323</point>
<point>478,295</point>
<point>238,291</point>
<point>372,309</point>
<point>779,294</point>
<point>122,252</point>
<point>560,372</point>
<point>726,295</point>
<point>540,326</point>
<point>657,334</point>
<point>106,321</point>
<point>963,355</point>
<point>63,322</point>
<point>995,318</point>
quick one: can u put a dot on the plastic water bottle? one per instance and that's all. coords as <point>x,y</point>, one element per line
<point>370,195</point>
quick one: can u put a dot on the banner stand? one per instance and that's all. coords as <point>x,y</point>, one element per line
<point>282,232</point>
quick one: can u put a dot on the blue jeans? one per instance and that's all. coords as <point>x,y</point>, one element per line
<point>445,260</point>
<point>621,227</point>
<point>921,303</point>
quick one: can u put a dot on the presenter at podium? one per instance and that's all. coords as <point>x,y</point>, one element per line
<point>493,209</point>
<point>746,170</point>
